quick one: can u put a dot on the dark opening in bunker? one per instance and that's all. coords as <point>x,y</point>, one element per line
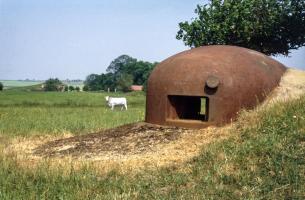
<point>188,108</point>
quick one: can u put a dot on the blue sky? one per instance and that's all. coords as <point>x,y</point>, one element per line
<point>74,38</point>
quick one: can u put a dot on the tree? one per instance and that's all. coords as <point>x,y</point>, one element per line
<point>95,82</point>
<point>120,64</point>
<point>71,88</point>
<point>125,64</point>
<point>85,88</point>
<point>124,82</point>
<point>108,81</point>
<point>77,88</point>
<point>269,26</point>
<point>140,71</point>
<point>1,86</point>
<point>66,88</point>
<point>118,74</point>
<point>53,84</point>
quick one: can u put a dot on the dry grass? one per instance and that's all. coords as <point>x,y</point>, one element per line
<point>292,86</point>
<point>177,151</point>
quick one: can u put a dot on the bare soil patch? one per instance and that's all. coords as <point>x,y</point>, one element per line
<point>130,139</point>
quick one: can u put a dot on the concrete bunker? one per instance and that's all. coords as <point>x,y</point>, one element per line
<point>209,85</point>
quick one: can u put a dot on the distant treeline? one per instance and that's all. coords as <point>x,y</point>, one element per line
<point>122,72</point>
<point>54,84</point>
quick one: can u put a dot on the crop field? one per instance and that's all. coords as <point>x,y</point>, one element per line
<point>261,158</point>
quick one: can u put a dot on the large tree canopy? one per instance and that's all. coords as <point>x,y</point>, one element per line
<point>120,64</point>
<point>269,26</point>
<point>121,74</point>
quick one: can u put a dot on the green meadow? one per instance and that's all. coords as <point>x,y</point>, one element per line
<point>28,113</point>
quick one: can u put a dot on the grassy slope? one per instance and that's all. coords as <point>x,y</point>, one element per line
<point>28,113</point>
<point>264,159</point>
<point>28,88</point>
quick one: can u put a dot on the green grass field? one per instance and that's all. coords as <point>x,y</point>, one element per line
<point>28,113</point>
<point>263,159</point>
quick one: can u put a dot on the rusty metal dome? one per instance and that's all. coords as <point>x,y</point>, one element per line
<point>209,85</point>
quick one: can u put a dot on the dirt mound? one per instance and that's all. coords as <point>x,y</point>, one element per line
<point>128,139</point>
<point>127,148</point>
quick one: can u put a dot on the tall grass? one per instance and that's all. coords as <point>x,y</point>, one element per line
<point>264,159</point>
<point>28,113</point>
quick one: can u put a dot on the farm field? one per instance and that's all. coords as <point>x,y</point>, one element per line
<point>23,85</point>
<point>36,113</point>
<point>261,158</point>
<point>18,83</point>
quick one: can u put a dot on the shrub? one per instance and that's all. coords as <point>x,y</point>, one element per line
<point>53,85</point>
<point>71,88</point>
<point>86,88</point>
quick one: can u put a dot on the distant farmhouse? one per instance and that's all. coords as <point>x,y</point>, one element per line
<point>136,87</point>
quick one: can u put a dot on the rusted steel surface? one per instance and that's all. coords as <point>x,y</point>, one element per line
<point>230,78</point>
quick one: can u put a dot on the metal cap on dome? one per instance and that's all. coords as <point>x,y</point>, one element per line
<point>212,81</point>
